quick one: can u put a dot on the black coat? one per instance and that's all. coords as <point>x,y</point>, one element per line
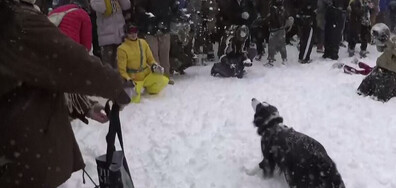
<point>306,13</point>
<point>277,17</point>
<point>262,7</point>
<point>231,12</point>
<point>380,83</point>
<point>360,14</point>
<point>164,12</point>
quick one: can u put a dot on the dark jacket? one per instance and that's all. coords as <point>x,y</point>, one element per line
<point>262,7</point>
<point>231,12</point>
<point>392,7</point>
<point>164,12</point>
<point>306,13</point>
<point>291,6</point>
<point>38,64</point>
<point>341,4</point>
<point>277,17</point>
<point>360,14</point>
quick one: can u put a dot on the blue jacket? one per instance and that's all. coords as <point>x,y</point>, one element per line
<point>384,5</point>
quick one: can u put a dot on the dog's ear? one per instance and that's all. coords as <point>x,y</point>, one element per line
<point>258,121</point>
<point>257,105</point>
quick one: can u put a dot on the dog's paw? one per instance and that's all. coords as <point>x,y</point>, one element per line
<point>251,172</point>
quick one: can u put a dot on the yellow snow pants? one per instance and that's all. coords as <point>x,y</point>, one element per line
<point>153,84</point>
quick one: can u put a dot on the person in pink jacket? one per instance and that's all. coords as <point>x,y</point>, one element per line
<point>77,23</point>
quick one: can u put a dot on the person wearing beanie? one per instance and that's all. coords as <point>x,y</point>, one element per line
<point>136,63</point>
<point>76,24</point>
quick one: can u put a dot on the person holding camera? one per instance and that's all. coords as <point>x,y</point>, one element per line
<point>136,63</point>
<point>38,65</point>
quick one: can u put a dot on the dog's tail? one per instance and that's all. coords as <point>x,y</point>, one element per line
<point>337,182</point>
<point>337,179</point>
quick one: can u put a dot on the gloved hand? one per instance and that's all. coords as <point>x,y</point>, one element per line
<point>157,68</point>
<point>96,112</point>
<point>125,97</point>
<point>289,24</point>
<point>245,15</point>
<point>149,14</point>
<point>247,63</point>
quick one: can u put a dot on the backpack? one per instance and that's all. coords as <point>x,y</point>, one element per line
<point>56,18</point>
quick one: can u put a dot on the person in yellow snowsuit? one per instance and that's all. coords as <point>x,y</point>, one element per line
<point>136,63</point>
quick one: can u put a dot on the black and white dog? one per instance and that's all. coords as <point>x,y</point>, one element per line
<point>302,159</point>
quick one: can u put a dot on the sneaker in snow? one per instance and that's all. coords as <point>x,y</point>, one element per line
<point>337,65</point>
<point>269,63</point>
<point>306,61</point>
<point>363,53</point>
<point>355,60</point>
<point>351,52</point>
<point>284,61</point>
<point>319,50</point>
<point>171,81</point>
<point>247,63</point>
<point>258,58</point>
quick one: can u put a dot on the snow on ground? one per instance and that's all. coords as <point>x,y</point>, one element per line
<point>198,133</point>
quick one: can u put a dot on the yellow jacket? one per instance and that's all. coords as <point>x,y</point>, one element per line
<point>129,58</point>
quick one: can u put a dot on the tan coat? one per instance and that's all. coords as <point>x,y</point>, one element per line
<point>38,64</point>
<point>387,59</point>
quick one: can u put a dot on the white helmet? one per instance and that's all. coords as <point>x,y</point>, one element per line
<point>381,34</point>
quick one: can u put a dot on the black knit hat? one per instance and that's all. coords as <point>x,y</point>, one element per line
<point>84,4</point>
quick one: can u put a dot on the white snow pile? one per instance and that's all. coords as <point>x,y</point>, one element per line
<point>198,133</point>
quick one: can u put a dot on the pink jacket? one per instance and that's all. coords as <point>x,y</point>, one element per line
<point>76,24</point>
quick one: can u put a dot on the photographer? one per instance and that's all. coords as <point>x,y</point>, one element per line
<point>38,65</point>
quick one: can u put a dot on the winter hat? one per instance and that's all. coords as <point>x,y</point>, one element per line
<point>84,4</point>
<point>381,34</point>
<point>132,29</point>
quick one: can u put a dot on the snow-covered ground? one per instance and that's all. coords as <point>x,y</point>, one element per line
<point>198,133</point>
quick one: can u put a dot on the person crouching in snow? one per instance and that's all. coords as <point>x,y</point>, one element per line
<point>235,59</point>
<point>278,22</point>
<point>381,82</point>
<point>136,63</point>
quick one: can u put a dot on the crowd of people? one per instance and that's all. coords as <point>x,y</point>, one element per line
<point>47,71</point>
<point>322,23</point>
